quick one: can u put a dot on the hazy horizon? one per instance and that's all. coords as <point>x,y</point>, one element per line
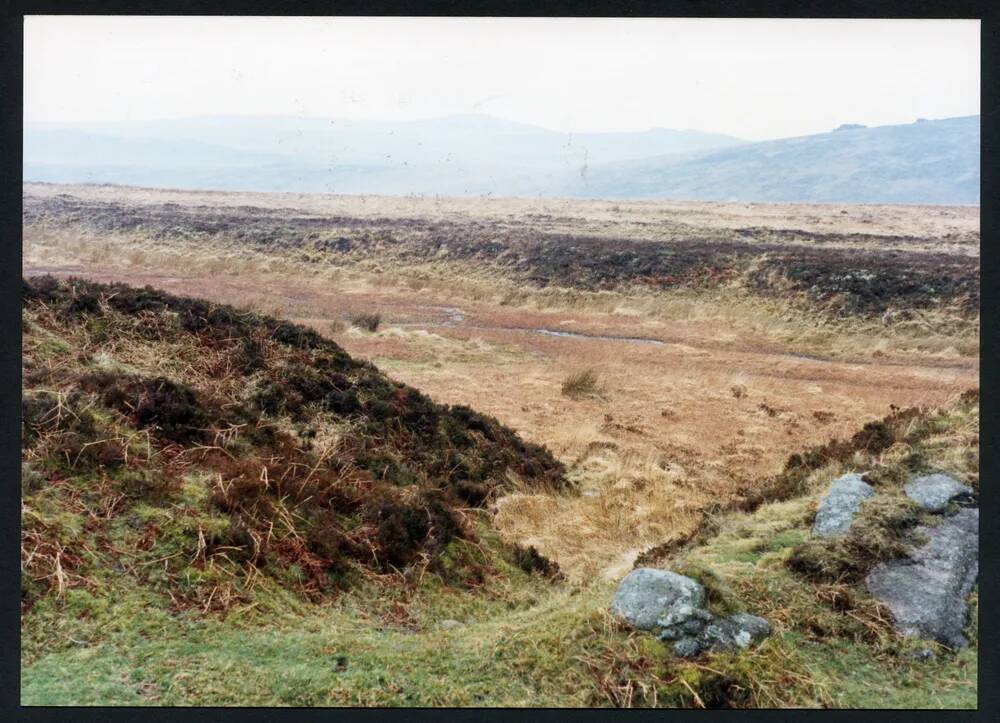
<point>360,121</point>
<point>570,75</point>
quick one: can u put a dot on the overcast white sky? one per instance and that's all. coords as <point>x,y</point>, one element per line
<point>754,79</point>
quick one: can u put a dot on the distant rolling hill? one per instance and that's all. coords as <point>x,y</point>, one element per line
<point>924,162</point>
<point>455,155</point>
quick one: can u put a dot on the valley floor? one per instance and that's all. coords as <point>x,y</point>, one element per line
<point>691,409</point>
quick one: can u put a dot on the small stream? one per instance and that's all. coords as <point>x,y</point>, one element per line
<point>529,330</point>
<point>599,337</point>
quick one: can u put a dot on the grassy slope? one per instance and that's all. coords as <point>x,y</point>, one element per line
<point>147,627</point>
<point>523,642</point>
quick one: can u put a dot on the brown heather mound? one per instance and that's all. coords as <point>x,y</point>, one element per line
<point>240,439</point>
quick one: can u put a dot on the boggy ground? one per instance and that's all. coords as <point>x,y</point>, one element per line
<point>757,333</point>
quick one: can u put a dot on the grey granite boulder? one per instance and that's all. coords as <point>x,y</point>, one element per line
<point>647,595</point>
<point>837,508</point>
<point>682,620</point>
<point>733,633</point>
<point>927,592</point>
<point>748,629</point>
<point>933,492</point>
<point>670,606</point>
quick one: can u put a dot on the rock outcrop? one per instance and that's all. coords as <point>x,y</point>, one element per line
<point>837,508</point>
<point>646,595</point>
<point>670,606</point>
<point>732,633</point>
<point>933,492</point>
<point>927,592</point>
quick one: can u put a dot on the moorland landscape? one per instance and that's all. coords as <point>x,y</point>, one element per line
<point>309,449</point>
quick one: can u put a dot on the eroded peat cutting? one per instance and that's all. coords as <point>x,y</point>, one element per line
<point>600,386</point>
<point>857,273</point>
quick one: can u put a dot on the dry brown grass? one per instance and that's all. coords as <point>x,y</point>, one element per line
<point>629,503</point>
<point>368,321</point>
<point>584,383</point>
